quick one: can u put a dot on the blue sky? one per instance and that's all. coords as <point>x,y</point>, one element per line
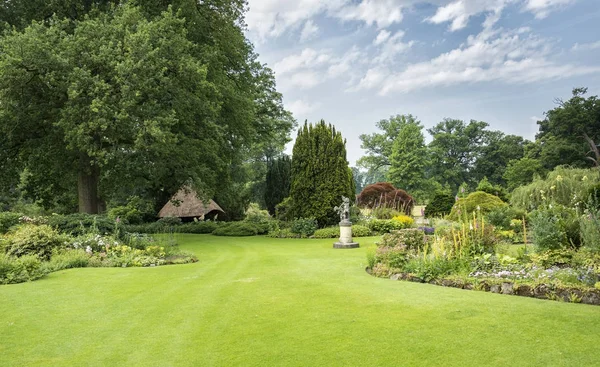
<point>355,62</point>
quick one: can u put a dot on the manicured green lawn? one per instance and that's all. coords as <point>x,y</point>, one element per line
<point>270,302</point>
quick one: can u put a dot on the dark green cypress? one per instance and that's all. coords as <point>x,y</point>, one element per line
<point>279,175</point>
<point>320,173</point>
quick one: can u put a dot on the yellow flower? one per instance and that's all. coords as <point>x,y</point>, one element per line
<point>559,178</point>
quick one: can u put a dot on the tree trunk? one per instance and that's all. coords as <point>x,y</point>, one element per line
<point>87,187</point>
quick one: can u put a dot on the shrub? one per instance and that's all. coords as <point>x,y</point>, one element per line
<point>589,225</point>
<point>18,270</point>
<point>198,227</point>
<point>329,232</point>
<point>170,221</point>
<point>392,257</point>
<point>412,239</point>
<point>236,229</point>
<point>477,201</point>
<point>7,220</point>
<point>283,210</point>
<point>503,216</point>
<point>283,233</point>
<point>359,230</point>
<point>67,259</point>
<point>305,226</point>
<point>383,225</point>
<point>429,268</point>
<point>385,195</point>
<point>557,257</point>
<point>569,187</point>
<point>35,240</point>
<point>555,227</point>
<point>385,213</point>
<point>78,224</point>
<point>486,186</point>
<point>126,214</point>
<point>405,220</point>
<point>440,205</point>
<point>94,242</point>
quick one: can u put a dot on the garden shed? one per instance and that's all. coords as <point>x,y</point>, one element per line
<point>186,205</point>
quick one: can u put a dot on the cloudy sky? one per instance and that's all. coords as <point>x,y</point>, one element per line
<point>355,62</point>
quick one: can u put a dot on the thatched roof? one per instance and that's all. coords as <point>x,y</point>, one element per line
<point>188,205</point>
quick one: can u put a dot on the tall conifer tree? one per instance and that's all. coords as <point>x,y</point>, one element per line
<point>279,177</point>
<point>320,173</point>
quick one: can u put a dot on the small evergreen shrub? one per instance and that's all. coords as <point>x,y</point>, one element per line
<point>503,216</point>
<point>35,240</point>
<point>555,228</point>
<point>384,225</point>
<point>477,201</point>
<point>78,224</point>
<point>358,230</point>
<point>7,220</point>
<point>197,227</point>
<point>305,227</point>
<point>385,213</point>
<point>440,205</point>
<point>126,214</point>
<point>412,239</point>
<point>236,229</point>
<point>18,270</point>
<point>328,232</point>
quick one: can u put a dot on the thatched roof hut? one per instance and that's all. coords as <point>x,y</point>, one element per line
<point>186,205</point>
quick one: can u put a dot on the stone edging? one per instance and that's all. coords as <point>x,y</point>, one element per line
<point>540,291</point>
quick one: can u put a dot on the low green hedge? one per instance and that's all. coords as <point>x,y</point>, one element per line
<point>241,229</point>
<point>333,232</point>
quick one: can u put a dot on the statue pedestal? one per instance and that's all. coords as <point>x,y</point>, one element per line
<point>345,236</point>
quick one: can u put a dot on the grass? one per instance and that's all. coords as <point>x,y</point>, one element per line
<point>257,301</point>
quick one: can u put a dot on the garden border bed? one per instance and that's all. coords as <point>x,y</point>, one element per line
<point>539,291</point>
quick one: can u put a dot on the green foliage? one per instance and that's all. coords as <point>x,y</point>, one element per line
<point>440,205</point>
<point>381,226</point>
<point>197,227</point>
<point>477,201</point>
<point>7,220</point>
<point>589,224</point>
<point>412,239</point>
<point>278,181</point>
<point>67,259</point>
<point>520,172</point>
<point>283,210</point>
<point>18,270</point>
<point>78,224</point>
<point>35,240</point>
<point>328,232</point>
<point>304,227</point>
<point>569,187</point>
<point>428,268</point>
<point>503,217</point>
<point>320,173</point>
<point>555,227</point>
<point>170,221</point>
<point>385,213</point>
<point>237,229</point>
<point>496,151</point>
<point>496,190</point>
<point>359,230</point>
<point>125,214</point>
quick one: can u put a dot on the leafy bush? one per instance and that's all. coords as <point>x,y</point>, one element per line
<point>328,232</point>
<point>569,187</point>
<point>557,257</point>
<point>430,267</point>
<point>283,210</point>
<point>359,230</point>
<point>383,225</point>
<point>392,257</point>
<point>35,240</point>
<point>405,220</point>
<point>18,270</point>
<point>78,224</point>
<point>236,229</point>
<point>440,205</point>
<point>477,201</point>
<point>94,242</point>
<point>305,226</point>
<point>198,227</point>
<point>67,259</point>
<point>589,225</point>
<point>385,213</point>
<point>283,233</point>
<point>555,227</point>
<point>126,214</point>
<point>592,200</point>
<point>170,221</point>
<point>385,195</point>
<point>503,216</point>
<point>486,186</point>
<point>7,220</point>
<point>412,239</point>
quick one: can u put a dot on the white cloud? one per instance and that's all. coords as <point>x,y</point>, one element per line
<point>308,58</point>
<point>541,8</point>
<point>382,37</point>
<point>493,55</point>
<point>300,107</point>
<point>382,13</point>
<point>586,46</point>
<point>459,12</point>
<point>309,31</point>
<point>305,79</point>
<point>391,47</point>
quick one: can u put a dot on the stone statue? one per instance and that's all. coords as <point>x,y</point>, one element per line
<point>345,225</point>
<point>344,210</point>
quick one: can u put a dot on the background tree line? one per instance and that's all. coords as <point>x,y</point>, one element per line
<point>467,152</point>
